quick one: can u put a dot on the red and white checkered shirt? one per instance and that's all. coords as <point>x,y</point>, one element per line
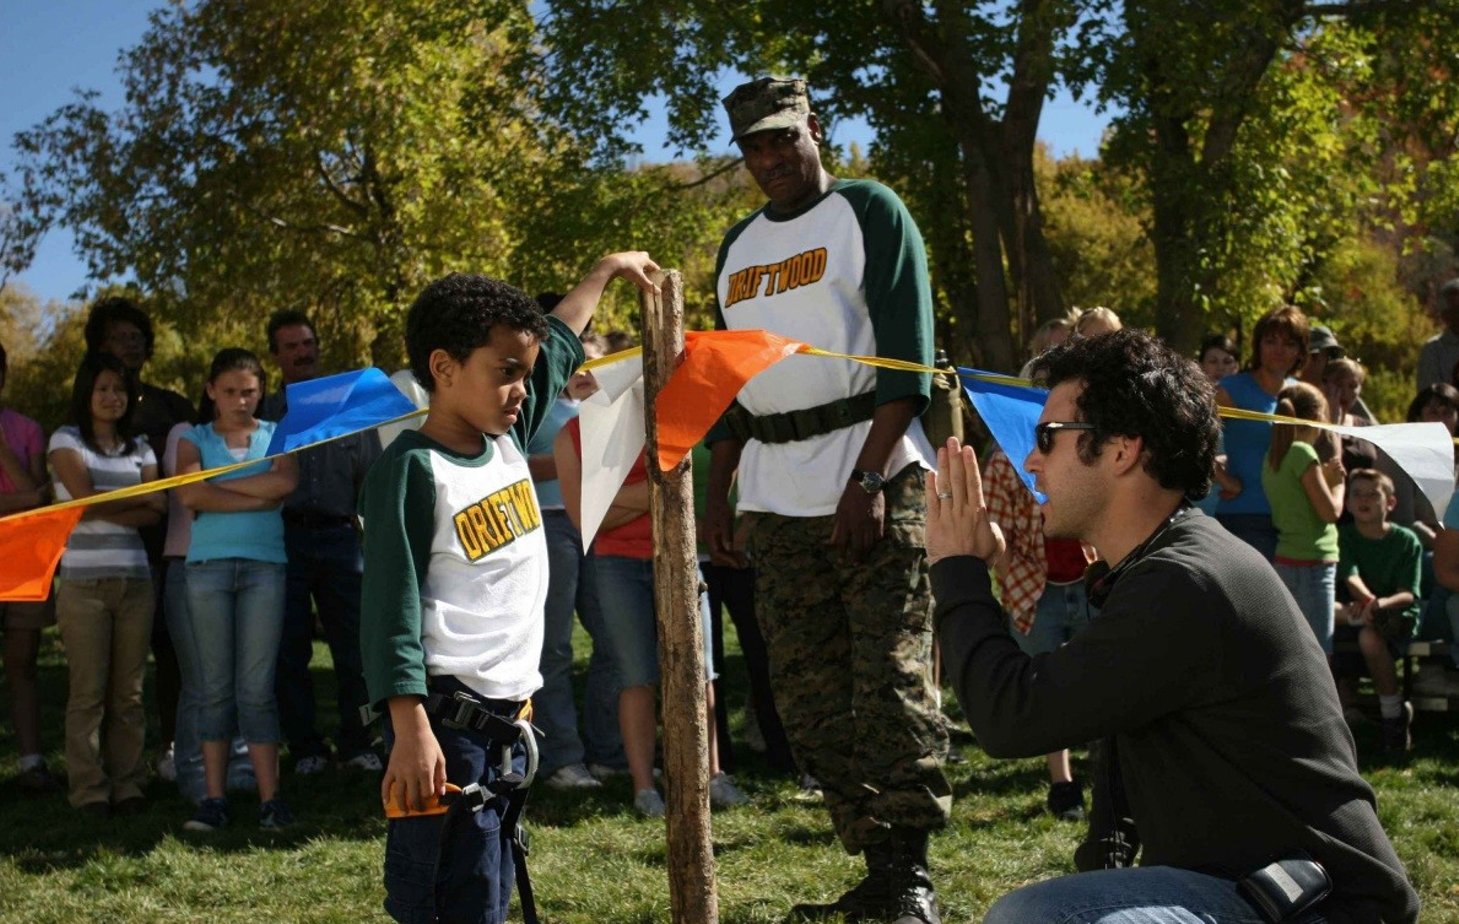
<point>1024,570</point>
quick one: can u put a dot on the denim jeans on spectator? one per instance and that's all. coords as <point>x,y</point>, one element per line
<point>236,608</point>
<point>1254,529</point>
<point>1141,895</point>
<point>325,566</point>
<point>1063,611</point>
<point>1312,586</point>
<point>468,876</point>
<point>626,594</point>
<point>187,754</point>
<point>571,588</point>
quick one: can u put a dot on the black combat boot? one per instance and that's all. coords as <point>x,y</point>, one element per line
<point>864,901</point>
<point>897,888</point>
<point>910,897</point>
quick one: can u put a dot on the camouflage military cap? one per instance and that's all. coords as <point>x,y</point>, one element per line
<point>766,103</point>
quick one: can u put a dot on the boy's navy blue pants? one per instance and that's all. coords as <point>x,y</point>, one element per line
<point>468,877</point>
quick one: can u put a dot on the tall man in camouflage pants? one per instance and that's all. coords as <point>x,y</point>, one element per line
<point>830,458</point>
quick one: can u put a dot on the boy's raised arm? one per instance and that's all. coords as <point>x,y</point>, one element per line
<point>576,308</point>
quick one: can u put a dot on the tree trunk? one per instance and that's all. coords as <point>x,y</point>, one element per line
<point>1190,176</point>
<point>994,324</point>
<point>1004,219</point>
<point>1030,262</point>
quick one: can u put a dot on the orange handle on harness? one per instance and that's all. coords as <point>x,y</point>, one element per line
<point>437,805</point>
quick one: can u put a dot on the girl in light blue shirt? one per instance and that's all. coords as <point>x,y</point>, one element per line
<point>235,584</point>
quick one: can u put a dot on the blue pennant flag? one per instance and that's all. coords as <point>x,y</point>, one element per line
<point>320,409</point>
<point>1010,411</point>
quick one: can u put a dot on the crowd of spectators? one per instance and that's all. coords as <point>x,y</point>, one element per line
<point>227,583</point>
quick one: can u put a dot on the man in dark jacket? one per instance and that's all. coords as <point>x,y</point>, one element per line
<point>1224,745</point>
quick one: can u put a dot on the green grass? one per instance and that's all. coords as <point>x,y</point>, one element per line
<point>593,860</point>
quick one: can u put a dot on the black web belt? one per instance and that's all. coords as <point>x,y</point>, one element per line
<point>793,426</point>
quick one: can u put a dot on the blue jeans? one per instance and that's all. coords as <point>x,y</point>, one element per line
<point>1141,895</point>
<point>1312,586</point>
<point>1063,610</point>
<point>1439,619</point>
<point>626,594</point>
<point>324,565</point>
<point>236,607</point>
<point>468,877</point>
<point>1254,529</point>
<point>187,754</point>
<point>571,587</point>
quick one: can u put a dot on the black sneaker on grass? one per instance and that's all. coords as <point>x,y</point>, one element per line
<point>38,779</point>
<point>211,815</point>
<point>1066,801</point>
<point>1398,733</point>
<point>274,815</point>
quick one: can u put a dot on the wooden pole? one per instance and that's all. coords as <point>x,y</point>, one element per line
<point>692,898</point>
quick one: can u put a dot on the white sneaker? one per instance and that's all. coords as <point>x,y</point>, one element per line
<point>311,765</point>
<point>649,803</point>
<point>603,772</point>
<point>723,792</point>
<point>572,776</point>
<point>167,766</point>
<point>368,761</point>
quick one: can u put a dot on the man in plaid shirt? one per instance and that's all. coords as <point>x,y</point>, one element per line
<point>1041,584</point>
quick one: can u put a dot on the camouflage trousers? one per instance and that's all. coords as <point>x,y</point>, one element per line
<point>850,646</point>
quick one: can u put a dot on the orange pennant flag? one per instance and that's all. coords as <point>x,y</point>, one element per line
<point>717,364</point>
<point>30,548</point>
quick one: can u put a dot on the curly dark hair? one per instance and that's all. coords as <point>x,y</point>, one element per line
<point>111,310</point>
<point>457,312</point>
<point>1136,386</point>
<point>92,366</point>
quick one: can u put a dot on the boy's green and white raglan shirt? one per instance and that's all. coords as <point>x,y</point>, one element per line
<point>846,274</point>
<point>455,570</point>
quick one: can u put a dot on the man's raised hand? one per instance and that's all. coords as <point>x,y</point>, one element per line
<point>957,517</point>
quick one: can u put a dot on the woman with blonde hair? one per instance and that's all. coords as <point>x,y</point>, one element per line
<point>1092,322</point>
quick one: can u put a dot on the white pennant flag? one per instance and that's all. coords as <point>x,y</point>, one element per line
<point>612,437</point>
<point>1425,452</point>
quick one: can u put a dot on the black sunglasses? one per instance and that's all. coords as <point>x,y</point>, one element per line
<point>1043,434</point>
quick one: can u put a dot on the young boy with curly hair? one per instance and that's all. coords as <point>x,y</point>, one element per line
<point>455,576</point>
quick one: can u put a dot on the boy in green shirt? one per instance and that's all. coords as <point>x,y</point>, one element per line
<point>1379,567</point>
<point>455,578</point>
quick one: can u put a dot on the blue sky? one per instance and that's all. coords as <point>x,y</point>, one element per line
<point>48,48</point>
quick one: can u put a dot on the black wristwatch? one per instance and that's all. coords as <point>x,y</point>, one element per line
<point>871,482</point>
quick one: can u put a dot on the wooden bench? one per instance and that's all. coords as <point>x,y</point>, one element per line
<point>1436,656</point>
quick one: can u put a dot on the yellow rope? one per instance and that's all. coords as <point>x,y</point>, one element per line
<point>880,362</point>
